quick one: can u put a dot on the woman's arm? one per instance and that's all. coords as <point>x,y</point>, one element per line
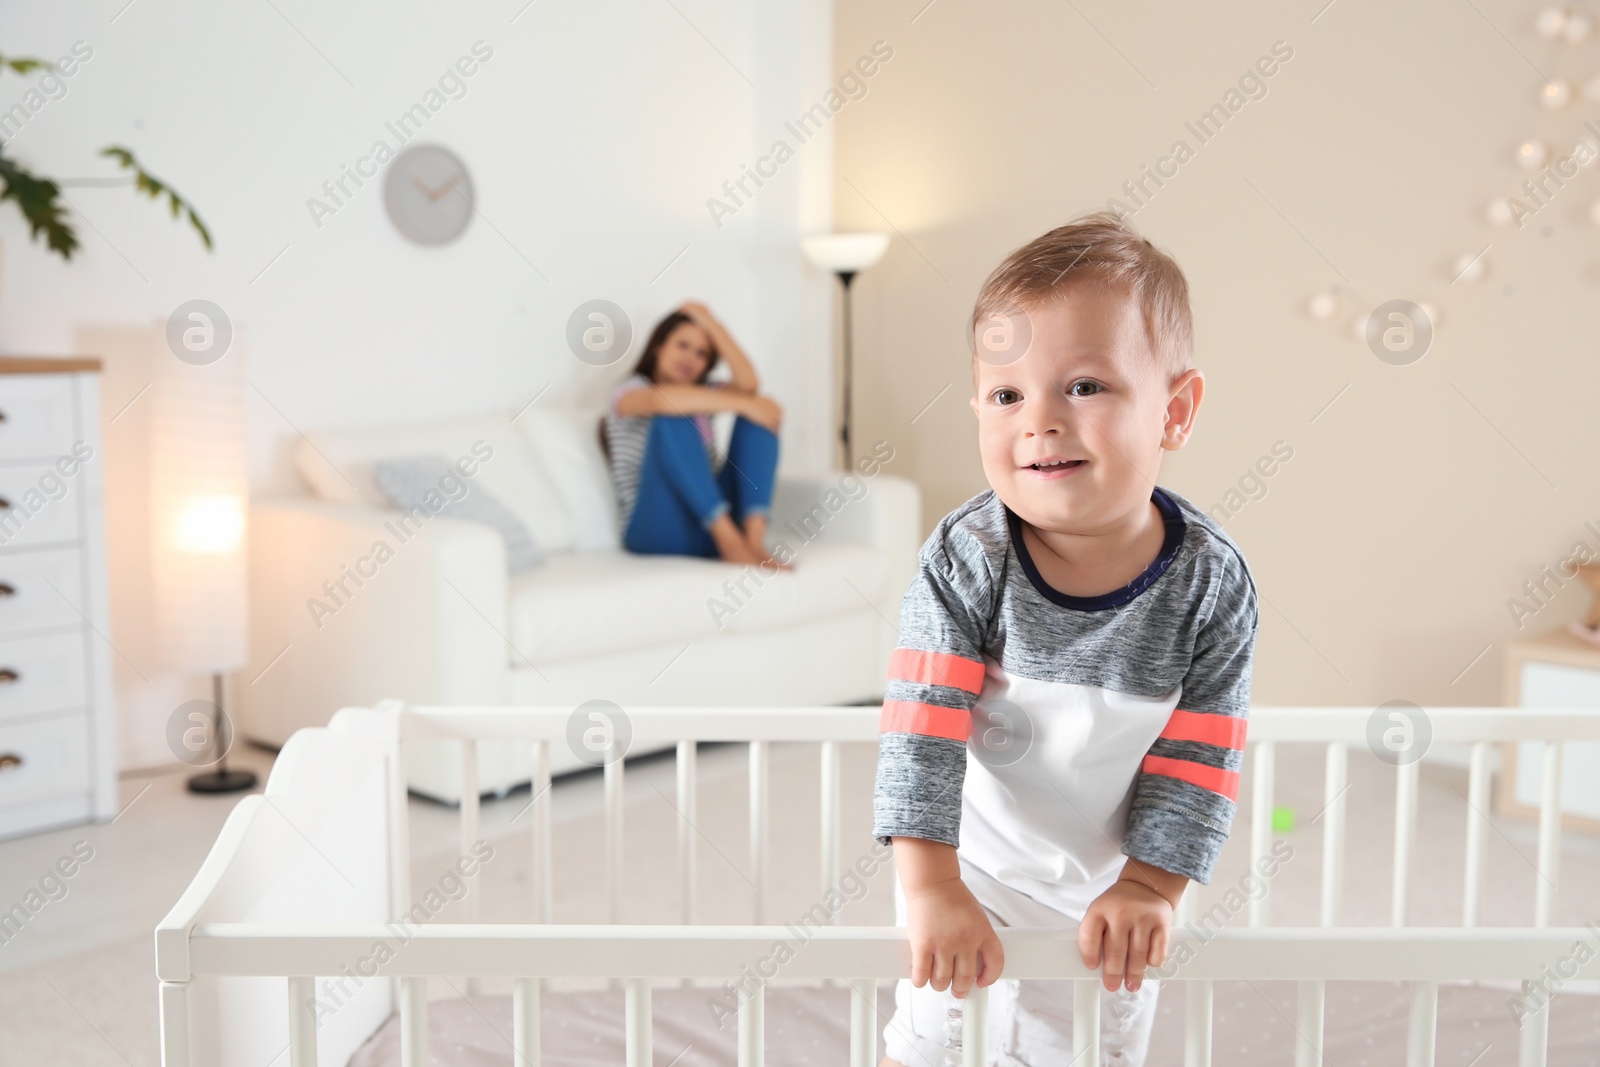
<point>676,399</point>
<point>744,378</point>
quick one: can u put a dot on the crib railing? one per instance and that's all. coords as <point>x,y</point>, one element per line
<point>865,956</point>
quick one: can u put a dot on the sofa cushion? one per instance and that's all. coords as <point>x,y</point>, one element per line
<point>567,442</point>
<point>599,603</point>
<point>513,473</point>
<point>434,485</point>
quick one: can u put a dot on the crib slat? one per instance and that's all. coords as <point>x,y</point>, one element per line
<point>1197,1023</point>
<point>174,999</point>
<point>413,1022</point>
<point>830,817</point>
<point>863,1022</point>
<point>1335,779</point>
<point>1086,1021</point>
<point>975,1028</point>
<point>543,875</point>
<point>1423,1024</point>
<point>687,788</point>
<point>1549,834</point>
<point>469,797</point>
<point>758,827</point>
<point>1405,832</point>
<point>1261,823</point>
<point>752,1026</point>
<point>637,1012</point>
<point>1477,813</point>
<point>302,1022</point>
<point>1309,1008</point>
<point>525,1022</point>
<point>469,833</point>
<point>613,788</point>
<point>1534,1028</point>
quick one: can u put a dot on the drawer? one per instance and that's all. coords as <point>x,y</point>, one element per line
<point>43,759</point>
<point>38,505</point>
<point>36,416</point>
<point>41,674</point>
<point>27,601</point>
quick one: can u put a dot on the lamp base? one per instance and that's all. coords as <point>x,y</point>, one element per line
<point>223,781</point>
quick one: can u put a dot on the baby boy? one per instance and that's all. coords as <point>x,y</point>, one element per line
<point>1065,715</point>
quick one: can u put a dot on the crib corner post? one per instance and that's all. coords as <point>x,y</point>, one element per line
<point>175,1037</point>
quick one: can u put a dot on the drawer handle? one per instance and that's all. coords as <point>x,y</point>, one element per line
<point>9,761</point>
<point>7,589</point>
<point>7,676</point>
<point>5,505</point>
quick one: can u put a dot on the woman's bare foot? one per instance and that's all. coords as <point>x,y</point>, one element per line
<point>755,535</point>
<point>731,543</point>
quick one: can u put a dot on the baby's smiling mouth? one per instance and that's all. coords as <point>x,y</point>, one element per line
<point>1055,464</point>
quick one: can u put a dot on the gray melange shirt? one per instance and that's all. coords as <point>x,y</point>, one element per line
<point>1049,735</point>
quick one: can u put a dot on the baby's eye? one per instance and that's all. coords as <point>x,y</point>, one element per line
<point>999,396</point>
<point>1084,381</point>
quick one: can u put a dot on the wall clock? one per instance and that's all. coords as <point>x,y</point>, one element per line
<point>428,194</point>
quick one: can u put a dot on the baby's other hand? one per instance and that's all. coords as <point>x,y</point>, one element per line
<point>1127,927</point>
<point>953,945</point>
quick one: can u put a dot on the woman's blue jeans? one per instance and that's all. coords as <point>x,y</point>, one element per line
<point>679,497</point>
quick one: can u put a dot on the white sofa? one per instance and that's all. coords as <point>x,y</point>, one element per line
<point>435,618</point>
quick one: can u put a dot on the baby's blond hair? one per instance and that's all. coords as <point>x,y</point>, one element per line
<point>1102,246</point>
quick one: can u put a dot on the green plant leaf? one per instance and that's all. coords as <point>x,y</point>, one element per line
<point>23,65</point>
<point>149,184</point>
<point>38,199</point>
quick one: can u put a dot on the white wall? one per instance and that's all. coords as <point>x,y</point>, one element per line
<point>595,134</point>
<point>1417,503</point>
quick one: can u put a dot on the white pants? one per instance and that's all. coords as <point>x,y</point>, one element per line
<point>1030,1022</point>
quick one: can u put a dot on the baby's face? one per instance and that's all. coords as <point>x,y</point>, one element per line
<point>1071,433</point>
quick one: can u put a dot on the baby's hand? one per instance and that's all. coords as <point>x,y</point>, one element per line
<point>953,946</point>
<point>1127,927</point>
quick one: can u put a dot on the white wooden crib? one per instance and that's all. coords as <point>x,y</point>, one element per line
<point>269,910</point>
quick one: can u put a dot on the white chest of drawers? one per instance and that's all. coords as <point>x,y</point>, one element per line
<point>57,727</point>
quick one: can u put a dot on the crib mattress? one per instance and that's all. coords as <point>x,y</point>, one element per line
<point>809,1026</point>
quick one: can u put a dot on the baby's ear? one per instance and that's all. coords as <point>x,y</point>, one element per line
<point>972,402</point>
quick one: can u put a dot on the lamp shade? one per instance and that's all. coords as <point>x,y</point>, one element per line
<point>198,503</point>
<point>845,253</point>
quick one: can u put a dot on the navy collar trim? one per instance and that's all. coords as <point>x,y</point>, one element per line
<point>1117,597</point>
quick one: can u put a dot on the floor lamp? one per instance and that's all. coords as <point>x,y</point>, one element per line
<point>199,499</point>
<point>846,254</point>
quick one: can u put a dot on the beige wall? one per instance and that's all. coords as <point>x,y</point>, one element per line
<point>1425,496</point>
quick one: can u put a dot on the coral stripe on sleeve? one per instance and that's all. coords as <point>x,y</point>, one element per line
<point>930,720</point>
<point>936,668</point>
<point>1226,731</point>
<point>1213,778</point>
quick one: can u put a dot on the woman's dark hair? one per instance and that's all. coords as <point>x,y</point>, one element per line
<point>658,337</point>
